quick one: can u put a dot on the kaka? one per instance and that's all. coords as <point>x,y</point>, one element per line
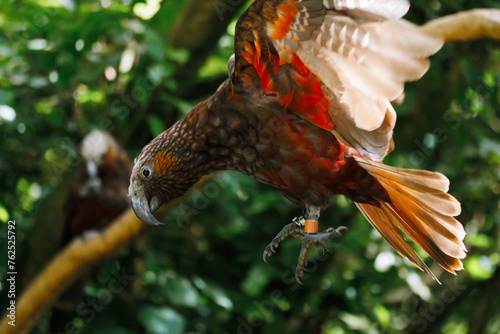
<point>98,196</point>
<point>307,109</point>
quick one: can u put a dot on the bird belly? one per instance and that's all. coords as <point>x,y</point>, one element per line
<point>309,165</point>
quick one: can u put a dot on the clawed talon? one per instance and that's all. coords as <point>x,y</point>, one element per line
<point>314,239</point>
<point>323,247</point>
<point>296,229</point>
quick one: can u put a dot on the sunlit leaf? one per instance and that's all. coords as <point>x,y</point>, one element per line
<point>162,320</point>
<point>180,291</point>
<point>217,294</point>
<point>479,267</point>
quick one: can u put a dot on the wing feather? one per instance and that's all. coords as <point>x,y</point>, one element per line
<point>390,9</point>
<point>361,51</point>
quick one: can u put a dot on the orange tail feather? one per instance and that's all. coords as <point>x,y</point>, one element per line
<point>421,208</point>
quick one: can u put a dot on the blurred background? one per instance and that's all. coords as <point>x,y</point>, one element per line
<point>132,68</point>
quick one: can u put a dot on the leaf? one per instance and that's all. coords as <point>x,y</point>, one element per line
<point>213,67</point>
<point>256,279</point>
<point>181,292</point>
<point>154,45</point>
<point>157,73</point>
<point>220,297</point>
<point>479,267</point>
<point>162,320</point>
<point>183,106</point>
<point>383,315</point>
<point>155,125</point>
<point>180,56</point>
<point>217,294</point>
<point>356,321</point>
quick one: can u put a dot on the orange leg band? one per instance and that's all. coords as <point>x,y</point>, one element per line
<point>311,226</point>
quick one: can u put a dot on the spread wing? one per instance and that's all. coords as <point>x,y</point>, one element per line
<point>339,63</point>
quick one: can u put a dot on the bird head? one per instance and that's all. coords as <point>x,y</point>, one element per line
<point>160,174</point>
<point>97,148</point>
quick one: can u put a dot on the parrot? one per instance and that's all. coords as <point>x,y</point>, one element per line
<point>100,186</point>
<point>307,108</point>
<point>103,179</point>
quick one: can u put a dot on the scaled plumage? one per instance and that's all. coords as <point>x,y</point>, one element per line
<point>307,109</point>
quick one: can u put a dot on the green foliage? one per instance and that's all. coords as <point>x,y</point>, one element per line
<point>162,320</point>
<point>67,67</point>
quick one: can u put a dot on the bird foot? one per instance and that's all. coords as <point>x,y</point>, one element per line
<point>307,231</point>
<point>294,229</point>
<point>315,239</point>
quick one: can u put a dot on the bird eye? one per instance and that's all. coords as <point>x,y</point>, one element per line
<point>146,172</point>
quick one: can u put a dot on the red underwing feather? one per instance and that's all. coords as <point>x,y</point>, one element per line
<point>306,98</point>
<point>285,13</point>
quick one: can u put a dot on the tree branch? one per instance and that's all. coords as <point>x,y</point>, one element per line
<point>79,256</point>
<point>198,28</point>
<point>466,26</point>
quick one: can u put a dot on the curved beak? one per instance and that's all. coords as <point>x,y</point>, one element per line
<point>143,211</point>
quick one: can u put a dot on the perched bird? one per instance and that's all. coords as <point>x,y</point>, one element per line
<point>98,196</point>
<point>307,109</point>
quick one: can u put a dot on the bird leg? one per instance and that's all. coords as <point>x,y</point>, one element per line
<point>306,229</point>
<point>315,239</point>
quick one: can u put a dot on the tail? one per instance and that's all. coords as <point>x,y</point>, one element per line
<point>421,208</point>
